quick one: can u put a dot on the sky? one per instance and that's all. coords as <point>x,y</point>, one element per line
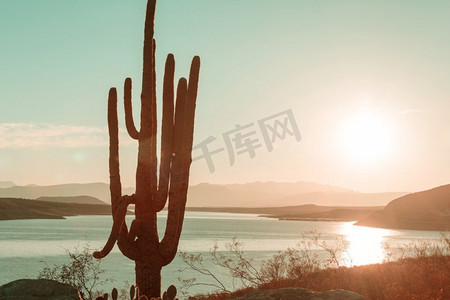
<point>354,94</point>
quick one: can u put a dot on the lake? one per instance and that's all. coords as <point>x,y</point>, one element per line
<point>26,246</point>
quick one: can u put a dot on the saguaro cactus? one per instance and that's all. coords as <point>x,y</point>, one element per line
<point>141,242</point>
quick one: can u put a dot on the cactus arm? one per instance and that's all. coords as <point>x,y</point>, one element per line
<point>166,133</point>
<point>126,241</point>
<point>178,134</point>
<point>178,180</point>
<point>119,204</point>
<point>169,243</point>
<point>114,172</point>
<point>154,125</point>
<point>135,228</point>
<point>119,222</point>
<point>128,249</point>
<point>190,109</point>
<point>132,131</point>
<point>115,186</point>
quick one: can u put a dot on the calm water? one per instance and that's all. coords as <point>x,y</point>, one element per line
<point>27,245</point>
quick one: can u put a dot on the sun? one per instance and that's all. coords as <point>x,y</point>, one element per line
<point>366,137</point>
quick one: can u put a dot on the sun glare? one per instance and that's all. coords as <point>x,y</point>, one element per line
<point>365,244</point>
<point>366,137</point>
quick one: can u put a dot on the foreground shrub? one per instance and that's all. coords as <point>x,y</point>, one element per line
<point>82,272</point>
<point>295,262</point>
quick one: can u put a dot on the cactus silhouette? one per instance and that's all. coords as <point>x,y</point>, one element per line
<point>141,242</point>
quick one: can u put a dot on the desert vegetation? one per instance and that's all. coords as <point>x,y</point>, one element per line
<point>81,271</point>
<point>418,270</point>
<point>84,273</point>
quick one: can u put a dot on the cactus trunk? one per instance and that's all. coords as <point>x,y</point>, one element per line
<point>141,242</point>
<point>148,277</point>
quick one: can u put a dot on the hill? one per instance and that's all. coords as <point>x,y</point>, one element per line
<point>426,210</point>
<point>73,199</point>
<point>11,208</point>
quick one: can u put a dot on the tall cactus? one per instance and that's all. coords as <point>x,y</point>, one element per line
<point>141,242</point>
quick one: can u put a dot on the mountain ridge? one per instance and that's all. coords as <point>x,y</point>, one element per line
<point>72,199</point>
<point>254,194</point>
<point>15,208</point>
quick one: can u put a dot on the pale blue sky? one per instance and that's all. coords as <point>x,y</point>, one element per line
<point>325,60</point>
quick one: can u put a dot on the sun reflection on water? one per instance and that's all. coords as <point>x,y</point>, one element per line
<point>365,244</point>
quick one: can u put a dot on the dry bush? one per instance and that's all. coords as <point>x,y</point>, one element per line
<point>294,263</point>
<point>421,271</point>
<point>82,272</point>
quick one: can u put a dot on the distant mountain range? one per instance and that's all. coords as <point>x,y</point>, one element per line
<point>256,194</point>
<point>98,190</point>
<point>276,194</point>
<point>6,184</point>
<point>426,210</point>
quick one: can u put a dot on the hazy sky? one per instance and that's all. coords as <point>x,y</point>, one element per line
<point>367,84</point>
